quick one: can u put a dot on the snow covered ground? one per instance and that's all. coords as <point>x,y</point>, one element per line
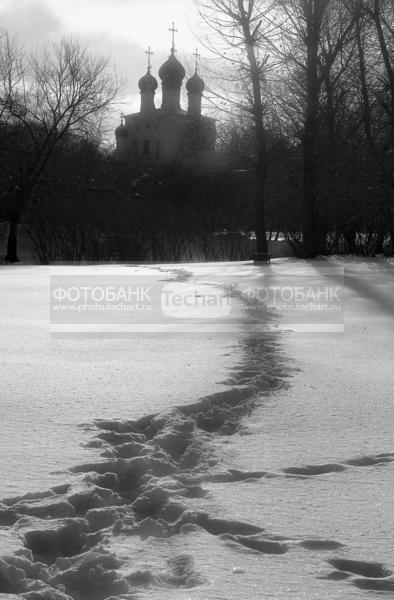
<point>250,456</point>
<point>50,386</point>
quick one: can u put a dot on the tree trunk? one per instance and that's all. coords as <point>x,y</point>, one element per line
<point>309,198</point>
<point>380,240</point>
<point>261,237</point>
<point>12,242</point>
<point>313,21</point>
<point>385,51</point>
<point>258,116</point>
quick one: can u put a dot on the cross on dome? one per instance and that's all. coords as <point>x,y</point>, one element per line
<point>149,53</point>
<point>173,31</point>
<point>197,56</point>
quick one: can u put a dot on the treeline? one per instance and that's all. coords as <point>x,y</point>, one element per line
<point>314,82</point>
<point>306,149</point>
<point>52,105</point>
<point>75,199</point>
<point>99,208</point>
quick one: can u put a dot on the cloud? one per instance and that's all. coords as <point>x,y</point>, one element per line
<point>32,21</point>
<point>120,29</point>
<point>128,56</point>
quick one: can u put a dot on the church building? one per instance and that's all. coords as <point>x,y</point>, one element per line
<point>156,136</point>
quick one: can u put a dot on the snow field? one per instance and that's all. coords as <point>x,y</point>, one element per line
<point>173,508</point>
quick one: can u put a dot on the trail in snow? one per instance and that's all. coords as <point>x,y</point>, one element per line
<point>320,453</point>
<point>174,508</point>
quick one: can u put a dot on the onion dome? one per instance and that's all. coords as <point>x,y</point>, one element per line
<point>172,72</point>
<point>121,130</point>
<point>195,85</point>
<point>147,83</point>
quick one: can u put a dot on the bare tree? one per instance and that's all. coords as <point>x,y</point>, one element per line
<point>241,28</point>
<point>382,14</point>
<point>314,33</point>
<point>58,91</point>
<point>11,72</point>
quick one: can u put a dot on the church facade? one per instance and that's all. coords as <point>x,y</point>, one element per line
<point>156,136</point>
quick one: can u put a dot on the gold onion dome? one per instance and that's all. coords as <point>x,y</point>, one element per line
<point>172,72</point>
<point>195,84</point>
<point>147,82</point>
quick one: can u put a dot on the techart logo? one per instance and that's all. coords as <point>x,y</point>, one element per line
<point>195,301</point>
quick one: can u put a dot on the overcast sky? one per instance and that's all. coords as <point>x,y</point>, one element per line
<point>122,29</point>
